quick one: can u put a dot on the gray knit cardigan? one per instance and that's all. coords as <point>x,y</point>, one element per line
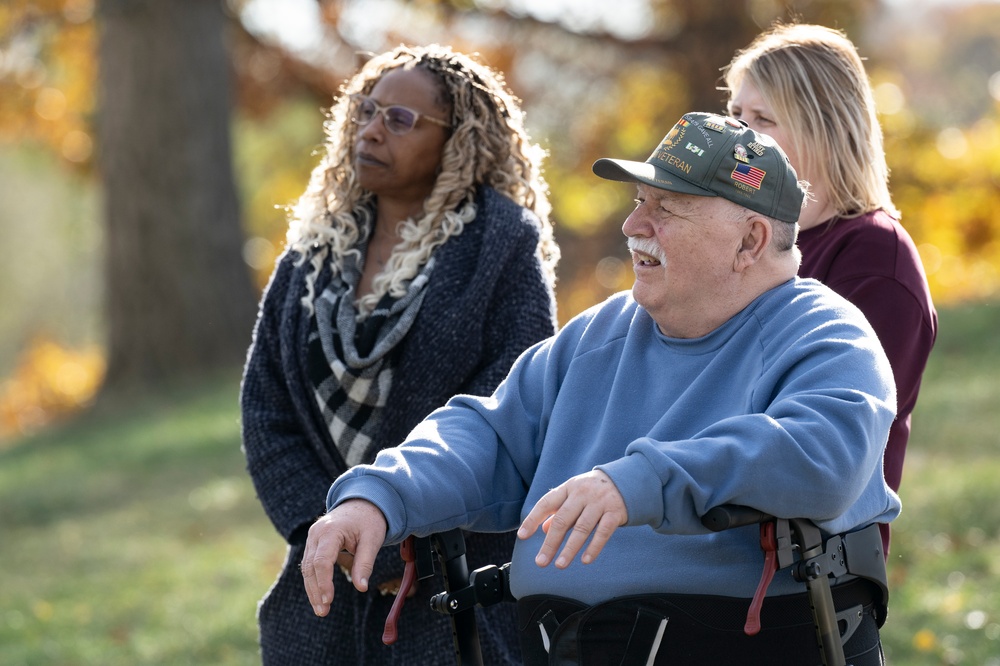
<point>487,301</point>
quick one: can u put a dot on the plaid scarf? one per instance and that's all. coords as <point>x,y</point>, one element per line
<point>351,363</point>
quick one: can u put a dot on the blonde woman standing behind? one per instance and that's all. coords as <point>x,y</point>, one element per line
<point>806,86</point>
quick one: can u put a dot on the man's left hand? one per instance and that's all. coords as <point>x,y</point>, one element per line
<point>587,504</point>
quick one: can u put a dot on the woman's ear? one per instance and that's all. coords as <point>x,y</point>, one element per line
<point>756,237</point>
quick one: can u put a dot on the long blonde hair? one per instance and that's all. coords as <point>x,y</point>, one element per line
<point>488,145</point>
<point>816,84</point>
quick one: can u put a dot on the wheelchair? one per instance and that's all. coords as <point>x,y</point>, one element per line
<point>789,544</point>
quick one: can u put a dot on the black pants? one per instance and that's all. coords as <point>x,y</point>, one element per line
<point>692,629</point>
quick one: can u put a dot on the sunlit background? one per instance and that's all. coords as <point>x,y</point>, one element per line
<point>596,79</point>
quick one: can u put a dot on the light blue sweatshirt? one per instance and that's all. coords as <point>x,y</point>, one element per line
<point>786,408</point>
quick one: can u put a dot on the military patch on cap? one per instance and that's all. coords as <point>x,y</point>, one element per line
<point>675,134</point>
<point>749,175</point>
<point>695,149</point>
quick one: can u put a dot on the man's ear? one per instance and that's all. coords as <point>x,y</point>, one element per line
<point>756,238</point>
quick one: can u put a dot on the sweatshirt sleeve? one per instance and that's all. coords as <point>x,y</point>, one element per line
<point>902,325</point>
<point>469,464</point>
<point>810,445</point>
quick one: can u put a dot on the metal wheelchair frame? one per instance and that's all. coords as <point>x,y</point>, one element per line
<point>788,543</point>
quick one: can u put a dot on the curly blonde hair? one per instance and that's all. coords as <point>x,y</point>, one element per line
<point>816,83</point>
<point>488,145</point>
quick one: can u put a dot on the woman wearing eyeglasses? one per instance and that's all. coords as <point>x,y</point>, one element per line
<point>420,263</point>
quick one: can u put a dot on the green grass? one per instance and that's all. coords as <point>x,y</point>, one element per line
<point>944,565</point>
<point>132,536</point>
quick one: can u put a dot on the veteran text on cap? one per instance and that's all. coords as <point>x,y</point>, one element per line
<point>705,154</point>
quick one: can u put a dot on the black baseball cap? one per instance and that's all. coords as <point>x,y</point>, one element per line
<point>711,155</point>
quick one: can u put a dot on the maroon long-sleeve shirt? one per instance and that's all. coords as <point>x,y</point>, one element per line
<point>872,261</point>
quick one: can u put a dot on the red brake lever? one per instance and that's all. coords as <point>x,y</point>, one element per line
<point>769,544</point>
<point>408,554</point>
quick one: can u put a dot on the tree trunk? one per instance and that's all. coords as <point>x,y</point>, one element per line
<point>179,298</point>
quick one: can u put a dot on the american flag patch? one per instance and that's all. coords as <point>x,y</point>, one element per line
<point>749,175</point>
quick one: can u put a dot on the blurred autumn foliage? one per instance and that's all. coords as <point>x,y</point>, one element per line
<point>47,76</point>
<point>49,381</point>
<point>590,89</point>
<point>947,186</point>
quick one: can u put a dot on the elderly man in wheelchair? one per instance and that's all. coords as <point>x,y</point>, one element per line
<point>721,379</point>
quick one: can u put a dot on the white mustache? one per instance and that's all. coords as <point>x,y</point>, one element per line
<point>646,246</point>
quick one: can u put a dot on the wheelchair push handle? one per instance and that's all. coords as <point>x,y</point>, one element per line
<point>780,539</point>
<point>728,516</point>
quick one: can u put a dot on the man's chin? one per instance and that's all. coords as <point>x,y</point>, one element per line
<point>640,293</point>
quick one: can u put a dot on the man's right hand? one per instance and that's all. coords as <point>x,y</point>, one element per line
<point>356,526</point>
